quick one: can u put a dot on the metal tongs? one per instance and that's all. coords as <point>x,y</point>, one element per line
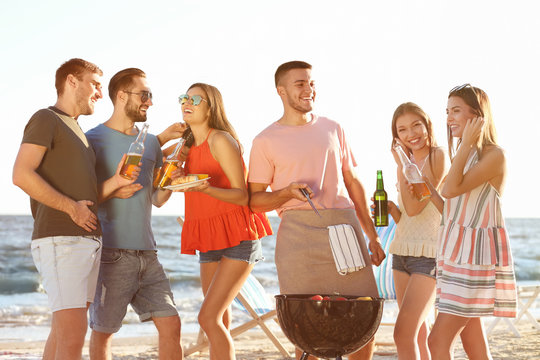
<point>305,193</point>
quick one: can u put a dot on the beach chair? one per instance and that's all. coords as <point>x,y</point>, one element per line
<point>383,273</point>
<point>252,299</point>
<point>527,295</point>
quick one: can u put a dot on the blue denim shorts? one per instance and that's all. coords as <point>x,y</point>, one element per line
<point>248,250</point>
<point>130,277</point>
<point>414,265</point>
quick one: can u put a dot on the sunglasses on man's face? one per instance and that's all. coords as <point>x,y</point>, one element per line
<point>145,95</point>
<point>194,100</point>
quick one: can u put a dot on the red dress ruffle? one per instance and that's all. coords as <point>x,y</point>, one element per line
<point>212,224</point>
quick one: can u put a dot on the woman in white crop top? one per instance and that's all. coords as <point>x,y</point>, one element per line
<point>415,241</point>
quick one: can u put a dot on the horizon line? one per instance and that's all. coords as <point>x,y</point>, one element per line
<point>267,214</point>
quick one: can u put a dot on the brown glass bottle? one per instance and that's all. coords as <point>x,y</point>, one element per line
<point>171,164</point>
<point>134,155</point>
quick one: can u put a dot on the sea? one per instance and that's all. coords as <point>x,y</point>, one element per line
<point>25,316</point>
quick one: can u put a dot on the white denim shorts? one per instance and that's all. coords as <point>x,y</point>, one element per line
<point>69,267</point>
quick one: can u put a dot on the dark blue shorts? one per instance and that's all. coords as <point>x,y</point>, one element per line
<point>248,250</point>
<point>414,265</point>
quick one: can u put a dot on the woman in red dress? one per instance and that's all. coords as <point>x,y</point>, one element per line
<point>218,222</point>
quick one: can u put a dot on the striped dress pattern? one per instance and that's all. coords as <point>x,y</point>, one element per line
<point>475,270</point>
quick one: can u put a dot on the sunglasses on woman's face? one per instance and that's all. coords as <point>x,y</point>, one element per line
<point>194,100</point>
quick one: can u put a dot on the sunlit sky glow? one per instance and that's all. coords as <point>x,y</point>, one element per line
<point>368,57</point>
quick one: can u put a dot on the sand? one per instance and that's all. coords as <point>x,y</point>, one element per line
<point>254,345</point>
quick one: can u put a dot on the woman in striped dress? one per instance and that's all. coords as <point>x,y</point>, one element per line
<point>475,273</point>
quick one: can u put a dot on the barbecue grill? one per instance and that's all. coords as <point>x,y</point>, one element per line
<point>328,328</point>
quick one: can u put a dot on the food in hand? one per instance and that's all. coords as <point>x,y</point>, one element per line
<point>200,176</point>
<point>184,179</point>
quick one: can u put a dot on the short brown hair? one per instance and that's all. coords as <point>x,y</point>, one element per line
<point>76,67</point>
<point>123,80</point>
<point>284,68</point>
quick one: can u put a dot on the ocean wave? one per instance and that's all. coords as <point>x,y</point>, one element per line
<point>24,314</point>
<point>19,284</point>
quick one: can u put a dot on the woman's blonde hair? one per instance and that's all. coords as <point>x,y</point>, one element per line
<point>478,101</point>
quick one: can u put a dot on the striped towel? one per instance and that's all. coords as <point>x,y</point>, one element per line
<point>345,248</point>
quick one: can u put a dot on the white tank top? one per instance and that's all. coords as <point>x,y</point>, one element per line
<point>417,235</point>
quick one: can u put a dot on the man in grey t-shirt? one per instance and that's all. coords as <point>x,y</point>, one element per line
<point>130,272</point>
<point>55,166</point>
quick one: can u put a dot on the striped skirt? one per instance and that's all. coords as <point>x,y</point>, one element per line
<point>475,290</point>
<point>475,271</point>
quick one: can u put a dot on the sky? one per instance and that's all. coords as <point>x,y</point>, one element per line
<point>368,57</point>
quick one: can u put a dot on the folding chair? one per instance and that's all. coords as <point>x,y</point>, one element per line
<point>252,299</point>
<point>530,293</point>
<point>383,273</point>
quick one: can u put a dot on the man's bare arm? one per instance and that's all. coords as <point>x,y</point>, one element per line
<point>358,196</point>
<point>263,201</point>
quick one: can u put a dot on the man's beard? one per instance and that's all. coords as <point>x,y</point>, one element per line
<point>133,112</point>
<point>86,107</point>
<point>301,108</point>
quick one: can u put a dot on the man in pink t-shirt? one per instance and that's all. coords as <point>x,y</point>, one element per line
<point>305,151</point>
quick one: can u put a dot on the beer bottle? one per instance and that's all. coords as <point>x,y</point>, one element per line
<point>171,164</point>
<point>134,155</point>
<point>381,202</point>
<point>413,175</point>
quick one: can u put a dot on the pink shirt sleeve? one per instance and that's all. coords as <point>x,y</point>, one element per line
<point>348,162</point>
<point>261,167</point>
